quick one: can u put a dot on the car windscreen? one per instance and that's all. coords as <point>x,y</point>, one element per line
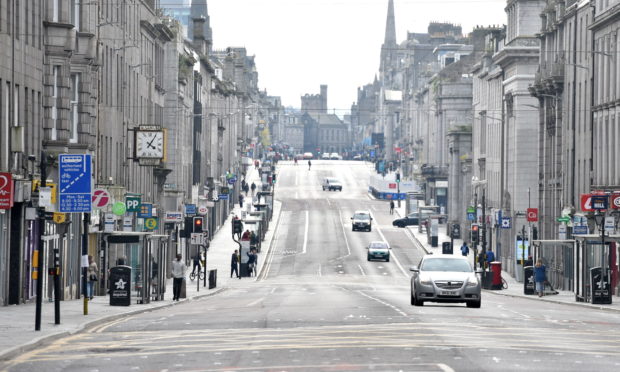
<point>445,264</point>
<point>332,180</point>
<point>378,245</point>
<point>361,216</point>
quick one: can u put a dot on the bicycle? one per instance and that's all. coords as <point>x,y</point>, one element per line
<point>504,284</point>
<point>201,275</point>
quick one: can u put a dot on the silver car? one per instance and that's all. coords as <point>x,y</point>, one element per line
<point>378,250</point>
<point>445,279</point>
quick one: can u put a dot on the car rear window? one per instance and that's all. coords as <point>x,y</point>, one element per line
<point>360,216</point>
<point>378,245</point>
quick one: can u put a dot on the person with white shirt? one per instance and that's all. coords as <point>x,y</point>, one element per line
<point>178,274</point>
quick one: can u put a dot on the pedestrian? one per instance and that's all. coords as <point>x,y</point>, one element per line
<point>251,261</point>
<point>391,206</point>
<point>253,187</point>
<point>178,275</point>
<point>256,164</point>
<point>309,164</point>
<point>258,197</point>
<point>246,235</point>
<point>253,239</point>
<point>481,260</point>
<point>490,256</point>
<point>465,249</point>
<point>196,263</point>
<point>540,277</point>
<point>93,277</point>
<point>234,264</point>
<point>240,201</point>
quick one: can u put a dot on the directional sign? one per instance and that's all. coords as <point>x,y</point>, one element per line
<point>532,214</point>
<point>564,219</point>
<point>190,209</point>
<point>471,209</point>
<point>101,198</point>
<point>75,183</point>
<point>506,223</point>
<point>133,203</point>
<point>223,196</point>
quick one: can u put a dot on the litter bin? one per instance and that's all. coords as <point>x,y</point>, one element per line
<point>212,279</point>
<point>120,286</point>
<point>600,294</point>
<point>446,248</point>
<point>487,279</point>
<point>496,269</point>
<point>529,286</point>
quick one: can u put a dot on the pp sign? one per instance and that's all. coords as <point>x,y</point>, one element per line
<point>133,203</point>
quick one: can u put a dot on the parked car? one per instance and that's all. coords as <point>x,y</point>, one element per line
<point>325,156</point>
<point>445,279</point>
<point>334,156</point>
<point>412,218</point>
<point>378,250</point>
<point>357,157</point>
<point>330,183</point>
<point>361,220</point>
<point>308,155</point>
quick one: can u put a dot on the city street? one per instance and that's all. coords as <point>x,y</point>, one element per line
<point>319,305</point>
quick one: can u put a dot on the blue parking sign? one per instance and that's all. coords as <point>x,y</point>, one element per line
<point>75,183</point>
<point>471,216</point>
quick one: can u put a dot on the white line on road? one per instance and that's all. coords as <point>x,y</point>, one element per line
<point>444,367</point>
<point>362,270</point>
<point>346,240</point>
<point>383,303</point>
<point>306,232</point>
<point>391,253</point>
<point>320,270</point>
<point>255,302</point>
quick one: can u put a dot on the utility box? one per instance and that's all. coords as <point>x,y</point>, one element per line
<point>529,285</point>
<point>446,248</point>
<point>120,286</point>
<point>600,293</point>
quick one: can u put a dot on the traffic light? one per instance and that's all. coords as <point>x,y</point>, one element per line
<point>397,177</point>
<point>475,234</point>
<point>197,224</point>
<point>237,226</point>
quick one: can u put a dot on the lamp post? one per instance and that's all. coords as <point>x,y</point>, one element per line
<point>599,219</point>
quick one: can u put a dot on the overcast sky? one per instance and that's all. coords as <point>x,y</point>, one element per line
<point>301,44</point>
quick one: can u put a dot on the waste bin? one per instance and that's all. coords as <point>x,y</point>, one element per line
<point>600,293</point>
<point>496,270</point>
<point>487,279</point>
<point>446,248</point>
<point>120,286</point>
<point>212,279</point>
<point>529,285</point>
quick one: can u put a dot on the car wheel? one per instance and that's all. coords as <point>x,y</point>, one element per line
<point>417,302</point>
<point>353,229</point>
<point>369,229</point>
<point>387,259</point>
<point>323,188</point>
<point>412,300</point>
<point>368,257</point>
<point>401,224</point>
<point>474,304</point>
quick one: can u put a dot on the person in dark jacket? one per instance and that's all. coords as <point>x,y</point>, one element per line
<point>252,262</point>
<point>234,264</point>
<point>540,277</point>
<point>464,249</point>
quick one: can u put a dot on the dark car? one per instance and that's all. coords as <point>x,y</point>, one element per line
<point>378,250</point>
<point>411,219</point>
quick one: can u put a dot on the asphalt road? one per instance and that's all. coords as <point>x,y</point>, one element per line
<point>319,305</point>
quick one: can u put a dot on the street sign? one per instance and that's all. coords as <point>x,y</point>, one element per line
<point>127,223</point>
<point>580,230</point>
<point>150,223</point>
<point>471,216</point>
<point>202,210</point>
<point>133,203</point>
<point>610,224</point>
<point>562,232</point>
<point>59,218</point>
<point>224,190</point>
<point>586,203</point>
<point>506,223</point>
<point>6,190</point>
<point>146,210</point>
<point>197,239</point>
<point>532,214</point>
<point>119,208</point>
<point>564,219</point>
<point>109,221</point>
<point>223,196</point>
<point>190,210</point>
<point>101,198</point>
<point>75,183</point>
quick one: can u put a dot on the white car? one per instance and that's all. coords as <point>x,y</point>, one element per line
<point>330,183</point>
<point>361,220</point>
<point>334,156</point>
<point>378,250</point>
<point>308,155</point>
<point>325,156</point>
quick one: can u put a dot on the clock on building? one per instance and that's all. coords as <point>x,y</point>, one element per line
<point>149,144</point>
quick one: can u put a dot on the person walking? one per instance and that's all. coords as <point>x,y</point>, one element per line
<point>309,164</point>
<point>252,262</point>
<point>234,264</point>
<point>490,256</point>
<point>540,277</point>
<point>178,275</point>
<point>464,249</point>
<point>92,278</point>
<point>196,263</point>
<point>241,201</point>
<point>253,188</point>
<point>391,206</point>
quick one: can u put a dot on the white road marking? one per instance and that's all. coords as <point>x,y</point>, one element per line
<point>391,253</point>
<point>255,302</point>
<point>344,233</point>
<point>362,270</point>
<point>383,303</point>
<point>496,359</point>
<point>444,367</point>
<point>306,232</point>
<point>320,270</point>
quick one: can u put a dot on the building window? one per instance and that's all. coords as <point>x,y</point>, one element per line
<point>75,100</point>
<point>75,14</point>
<point>55,10</point>
<point>54,114</point>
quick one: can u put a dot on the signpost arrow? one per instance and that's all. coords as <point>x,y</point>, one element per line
<point>564,219</point>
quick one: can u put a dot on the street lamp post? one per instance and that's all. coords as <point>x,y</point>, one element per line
<point>599,218</point>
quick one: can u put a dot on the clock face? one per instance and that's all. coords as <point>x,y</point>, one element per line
<point>150,144</point>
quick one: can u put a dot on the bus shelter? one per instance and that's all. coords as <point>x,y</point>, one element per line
<point>591,258</point>
<point>145,253</point>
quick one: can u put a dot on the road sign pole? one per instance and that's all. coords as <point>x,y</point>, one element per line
<point>40,249</point>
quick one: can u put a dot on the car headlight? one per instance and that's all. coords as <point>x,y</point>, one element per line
<point>426,281</point>
<point>472,282</point>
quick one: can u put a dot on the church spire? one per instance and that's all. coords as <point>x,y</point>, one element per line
<point>390,26</point>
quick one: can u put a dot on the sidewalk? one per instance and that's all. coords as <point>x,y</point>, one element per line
<point>17,322</point>
<point>515,289</point>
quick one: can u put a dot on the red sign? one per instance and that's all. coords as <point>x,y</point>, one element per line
<point>397,149</point>
<point>392,185</point>
<point>586,203</point>
<point>615,200</point>
<point>6,191</point>
<point>532,214</point>
<point>101,198</point>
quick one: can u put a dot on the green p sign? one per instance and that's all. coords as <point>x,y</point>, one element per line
<point>133,203</point>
